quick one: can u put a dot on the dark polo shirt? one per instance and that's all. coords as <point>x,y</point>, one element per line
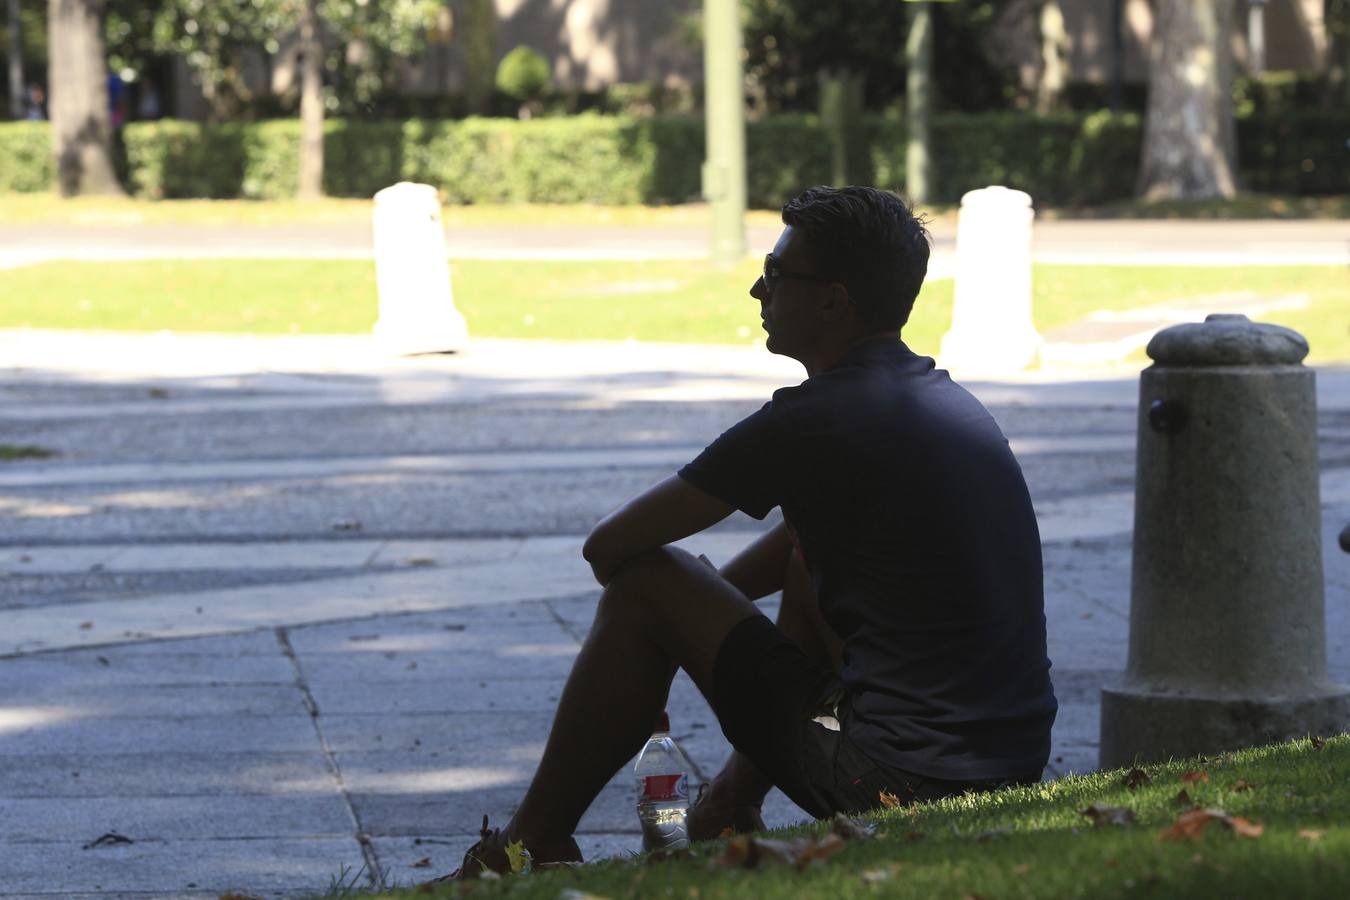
<point>914,520</point>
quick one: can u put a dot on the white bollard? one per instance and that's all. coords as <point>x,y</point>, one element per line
<point>412,274</point>
<point>991,329</point>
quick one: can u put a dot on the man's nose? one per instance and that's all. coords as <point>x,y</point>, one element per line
<point>758,290</point>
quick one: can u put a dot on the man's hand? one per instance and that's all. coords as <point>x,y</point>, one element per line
<point>668,511</point>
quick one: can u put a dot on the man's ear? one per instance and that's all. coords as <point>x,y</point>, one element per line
<point>837,306</point>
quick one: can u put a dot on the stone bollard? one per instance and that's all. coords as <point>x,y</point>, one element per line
<point>1227,628</point>
<point>412,274</point>
<point>991,331</point>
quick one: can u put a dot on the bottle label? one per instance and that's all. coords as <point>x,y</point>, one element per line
<point>659,788</point>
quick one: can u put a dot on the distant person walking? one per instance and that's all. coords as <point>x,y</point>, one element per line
<point>147,100</point>
<point>35,103</point>
<point>117,100</point>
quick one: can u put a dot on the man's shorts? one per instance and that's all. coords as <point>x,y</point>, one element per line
<point>791,717</point>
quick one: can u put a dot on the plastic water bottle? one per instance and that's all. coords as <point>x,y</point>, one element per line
<point>662,772</point>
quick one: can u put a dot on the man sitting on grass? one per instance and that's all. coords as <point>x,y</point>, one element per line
<point>909,654</point>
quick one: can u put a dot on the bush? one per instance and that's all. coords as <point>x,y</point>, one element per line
<point>522,74</point>
<point>1307,153</point>
<point>1064,159</point>
<point>26,162</point>
<point>169,159</point>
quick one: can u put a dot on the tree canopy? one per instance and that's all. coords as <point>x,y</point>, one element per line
<point>790,43</point>
<point>365,40</point>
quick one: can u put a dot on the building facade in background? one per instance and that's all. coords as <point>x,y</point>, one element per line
<point>592,44</point>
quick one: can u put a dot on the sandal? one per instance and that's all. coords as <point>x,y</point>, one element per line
<point>489,855</point>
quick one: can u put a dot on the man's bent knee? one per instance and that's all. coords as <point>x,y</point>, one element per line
<point>639,583</point>
<point>681,601</point>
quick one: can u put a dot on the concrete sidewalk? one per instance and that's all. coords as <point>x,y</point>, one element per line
<point>284,609</point>
<point>1073,242</point>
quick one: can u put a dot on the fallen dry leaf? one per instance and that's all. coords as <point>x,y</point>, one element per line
<point>1318,743</point>
<point>750,852</point>
<point>851,829</point>
<point>741,853</point>
<point>1134,778</point>
<point>231,895</point>
<point>423,863</point>
<point>1183,798</point>
<point>1021,868</point>
<point>912,836</point>
<point>888,800</point>
<point>877,876</point>
<point>1242,784</point>
<point>659,856</point>
<point>821,850</point>
<point>1309,834</point>
<point>108,839</point>
<point>1108,815</point>
<point>1191,824</point>
<point>85,626</point>
<point>1200,777</point>
<point>346,525</point>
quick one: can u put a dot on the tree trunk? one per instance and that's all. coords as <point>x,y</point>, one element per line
<point>311,103</point>
<point>478,31</point>
<point>1054,57</point>
<point>16,98</point>
<point>918,102</point>
<point>77,74</point>
<point>1189,134</point>
<point>1338,52</point>
<point>841,111</point>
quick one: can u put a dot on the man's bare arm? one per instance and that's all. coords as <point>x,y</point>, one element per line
<point>668,511</point>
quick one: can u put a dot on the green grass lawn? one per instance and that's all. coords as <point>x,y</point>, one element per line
<point>648,301</point>
<point>1037,842</point>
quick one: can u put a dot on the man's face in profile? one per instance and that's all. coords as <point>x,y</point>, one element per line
<point>789,292</point>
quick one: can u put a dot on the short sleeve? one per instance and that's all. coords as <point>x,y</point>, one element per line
<point>745,465</point>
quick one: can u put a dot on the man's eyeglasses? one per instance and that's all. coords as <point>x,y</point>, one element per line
<point>774,273</point>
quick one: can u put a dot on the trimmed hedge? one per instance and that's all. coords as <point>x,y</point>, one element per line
<point>26,160</point>
<point>1068,159</point>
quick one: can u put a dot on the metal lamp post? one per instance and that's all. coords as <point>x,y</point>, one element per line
<point>724,112</point>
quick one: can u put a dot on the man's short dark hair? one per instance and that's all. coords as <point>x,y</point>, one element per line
<point>870,242</point>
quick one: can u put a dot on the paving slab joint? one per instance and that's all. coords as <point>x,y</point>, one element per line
<point>566,626</point>
<point>374,873</point>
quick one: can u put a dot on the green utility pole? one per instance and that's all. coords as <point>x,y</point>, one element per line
<point>918,102</point>
<point>724,111</point>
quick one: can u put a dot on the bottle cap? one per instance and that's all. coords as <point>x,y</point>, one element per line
<point>663,724</point>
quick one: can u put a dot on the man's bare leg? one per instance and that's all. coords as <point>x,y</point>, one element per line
<point>734,797</point>
<point>661,610</point>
